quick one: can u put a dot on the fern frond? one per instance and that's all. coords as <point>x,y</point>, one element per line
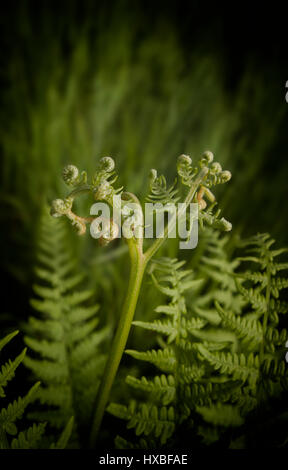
<point>162,387</point>
<point>7,371</point>
<point>64,336</point>
<point>29,438</point>
<point>247,329</point>
<point>43,347</point>
<point>255,297</point>
<point>166,328</point>
<point>159,192</point>
<point>15,410</point>
<point>274,368</point>
<point>147,419</point>
<point>49,371</point>
<point>221,415</point>
<point>239,366</point>
<point>82,314</point>
<point>7,339</point>
<point>162,359</point>
<point>263,287</point>
<point>183,385</point>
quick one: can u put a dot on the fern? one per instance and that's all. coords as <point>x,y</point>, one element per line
<point>216,342</point>
<point>258,327</point>
<point>15,410</point>
<point>262,288</point>
<point>183,384</point>
<point>30,438</point>
<point>248,329</point>
<point>147,419</point>
<point>64,336</point>
<point>218,374</point>
<point>238,366</point>
<point>159,193</point>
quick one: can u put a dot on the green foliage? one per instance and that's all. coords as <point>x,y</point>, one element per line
<point>175,394</point>
<point>64,335</point>
<point>220,351</point>
<point>214,350</point>
<point>29,438</point>
<point>143,99</point>
<point>159,193</point>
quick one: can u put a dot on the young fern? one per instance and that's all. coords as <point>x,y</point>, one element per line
<point>198,179</point>
<point>159,193</point>
<point>63,335</point>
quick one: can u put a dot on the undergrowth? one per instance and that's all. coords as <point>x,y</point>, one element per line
<point>216,354</point>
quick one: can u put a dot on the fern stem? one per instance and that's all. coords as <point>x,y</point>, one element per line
<point>138,265</point>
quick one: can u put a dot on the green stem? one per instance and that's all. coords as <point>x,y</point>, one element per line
<point>138,265</point>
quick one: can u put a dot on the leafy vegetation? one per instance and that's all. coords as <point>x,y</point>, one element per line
<point>221,373</point>
<point>62,334</point>
<point>33,436</point>
<point>217,347</point>
<point>154,347</point>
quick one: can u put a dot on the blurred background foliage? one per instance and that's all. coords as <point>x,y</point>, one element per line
<point>142,82</point>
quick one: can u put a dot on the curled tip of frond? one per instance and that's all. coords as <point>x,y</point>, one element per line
<point>107,164</point>
<point>184,159</point>
<point>216,168</point>
<point>70,174</point>
<point>225,176</point>
<point>225,225</point>
<point>184,168</point>
<point>60,207</point>
<point>103,191</point>
<point>152,175</point>
<point>207,157</point>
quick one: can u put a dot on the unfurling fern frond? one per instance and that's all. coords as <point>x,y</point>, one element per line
<point>214,175</point>
<point>63,334</point>
<point>159,192</point>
